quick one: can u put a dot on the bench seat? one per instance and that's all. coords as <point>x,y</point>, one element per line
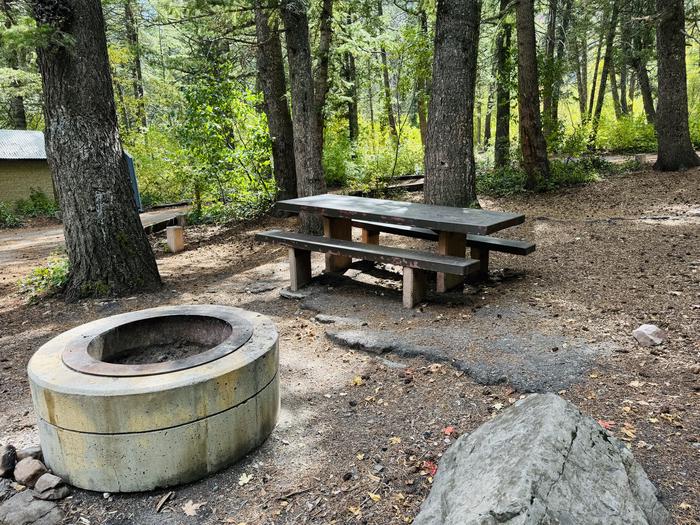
<point>415,263</point>
<point>480,245</point>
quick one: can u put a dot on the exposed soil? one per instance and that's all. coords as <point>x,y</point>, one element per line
<point>360,433</point>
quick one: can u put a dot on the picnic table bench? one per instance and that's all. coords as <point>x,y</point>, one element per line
<point>453,228</point>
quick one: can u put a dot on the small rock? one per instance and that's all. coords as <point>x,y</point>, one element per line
<point>24,509</point>
<point>30,452</point>
<point>649,335</point>
<point>46,482</point>
<point>695,369</point>
<point>8,458</point>
<point>28,471</point>
<point>333,319</point>
<point>57,493</point>
<point>5,489</point>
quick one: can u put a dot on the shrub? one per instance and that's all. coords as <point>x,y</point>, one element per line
<point>46,280</point>
<point>629,133</point>
<point>8,219</point>
<point>37,205</point>
<point>219,213</point>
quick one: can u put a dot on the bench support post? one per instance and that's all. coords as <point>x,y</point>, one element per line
<point>415,284</point>
<point>336,228</point>
<point>450,243</point>
<point>370,236</point>
<point>299,268</point>
<point>482,256</point>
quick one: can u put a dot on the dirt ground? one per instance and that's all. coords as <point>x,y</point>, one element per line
<point>610,256</point>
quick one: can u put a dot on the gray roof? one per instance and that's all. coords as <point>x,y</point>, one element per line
<point>20,144</point>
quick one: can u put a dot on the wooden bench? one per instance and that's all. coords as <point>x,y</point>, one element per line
<point>480,245</point>
<point>415,263</point>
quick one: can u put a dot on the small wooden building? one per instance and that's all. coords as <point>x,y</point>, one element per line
<point>23,165</point>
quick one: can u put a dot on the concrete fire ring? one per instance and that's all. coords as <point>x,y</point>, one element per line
<point>145,428</point>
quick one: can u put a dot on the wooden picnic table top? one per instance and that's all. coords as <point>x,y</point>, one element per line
<point>438,218</point>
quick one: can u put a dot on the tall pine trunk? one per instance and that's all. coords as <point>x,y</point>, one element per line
<point>132,36</point>
<point>388,105</point>
<point>532,141</point>
<point>548,84</point>
<point>449,149</point>
<point>503,73</point>
<point>605,73</point>
<point>675,148</point>
<point>307,145</point>
<point>272,82</point>
<point>323,56</point>
<point>351,79</point>
<point>560,59</point>
<point>107,247</point>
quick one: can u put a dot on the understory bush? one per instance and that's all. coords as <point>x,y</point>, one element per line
<point>511,180</point>
<point>46,280</point>
<point>37,205</point>
<point>628,134</point>
<point>374,160</point>
<point>8,218</point>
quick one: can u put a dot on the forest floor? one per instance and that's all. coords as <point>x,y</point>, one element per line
<point>610,256</point>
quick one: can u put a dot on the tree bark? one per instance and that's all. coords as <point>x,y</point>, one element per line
<point>307,147</point>
<point>532,141</point>
<point>489,116</point>
<point>388,106</point>
<point>423,85</point>
<point>17,112</point>
<point>607,63</point>
<point>548,81</point>
<point>559,59</point>
<point>108,250</point>
<point>272,82</point>
<point>613,90</point>
<point>321,77</point>
<point>503,74</point>
<point>676,150</point>
<point>449,150</point>
<point>351,78</point>
<point>132,36</point>
<point>640,67</point>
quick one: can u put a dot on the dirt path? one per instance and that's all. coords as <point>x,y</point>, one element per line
<point>610,256</point>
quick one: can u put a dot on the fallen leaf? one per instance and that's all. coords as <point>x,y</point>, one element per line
<point>498,406</point>
<point>374,497</point>
<point>448,431</point>
<point>355,510</point>
<point>430,467</point>
<point>394,440</point>
<point>653,420</point>
<point>685,506</point>
<point>190,508</point>
<point>636,384</point>
<point>360,456</point>
<point>244,479</point>
<point>607,425</point>
<point>357,381</point>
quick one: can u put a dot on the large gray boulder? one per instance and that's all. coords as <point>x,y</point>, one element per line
<point>540,462</point>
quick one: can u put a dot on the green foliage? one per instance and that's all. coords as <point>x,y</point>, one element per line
<point>8,218</point>
<point>46,280</point>
<point>374,160</point>
<point>626,134</point>
<point>37,205</point>
<point>226,145</point>
<point>510,181</point>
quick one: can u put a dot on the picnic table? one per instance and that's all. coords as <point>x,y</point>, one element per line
<point>453,229</point>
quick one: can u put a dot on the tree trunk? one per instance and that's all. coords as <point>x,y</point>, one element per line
<point>560,58</point>
<point>307,147</point>
<point>351,78</point>
<point>532,141</point>
<point>640,45</point>
<point>423,87</point>
<point>272,82</point>
<point>108,250</point>
<point>582,88</point>
<point>388,106</point>
<point>503,73</point>
<point>321,77</point>
<point>632,92</point>
<point>17,113</point>
<point>489,116</point>
<point>449,150</point>
<point>613,90</point>
<point>607,63</point>
<point>595,75</point>
<point>676,150</point>
<point>548,81</point>
<point>132,36</point>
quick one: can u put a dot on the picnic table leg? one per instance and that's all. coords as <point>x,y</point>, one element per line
<point>415,284</point>
<point>482,256</point>
<point>370,236</point>
<point>455,244</point>
<point>336,228</point>
<point>299,268</point>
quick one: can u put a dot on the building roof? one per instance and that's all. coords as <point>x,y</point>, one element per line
<point>21,145</point>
